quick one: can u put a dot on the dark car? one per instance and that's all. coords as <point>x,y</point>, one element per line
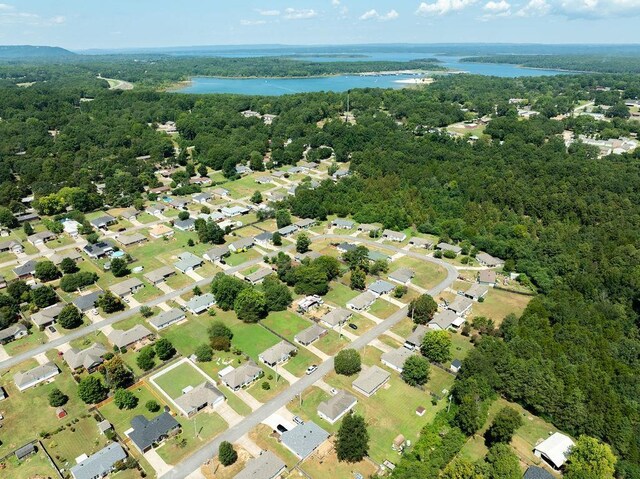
<point>353,326</point>
<point>281,428</point>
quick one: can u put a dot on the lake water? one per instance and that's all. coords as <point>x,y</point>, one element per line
<point>339,83</point>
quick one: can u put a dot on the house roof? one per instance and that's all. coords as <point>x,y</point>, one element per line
<point>368,227</point>
<point>242,243</point>
<point>336,405</point>
<point>12,330</point>
<point>134,238</point>
<point>342,222</point>
<point>362,301</point>
<point>394,234</point>
<point>167,317</point>
<point>124,338</point>
<point>287,230</point>
<point>185,224</point>
<point>129,213</point>
<point>487,276</point>
<point>417,335</point>
<point>460,304</point>
<point>200,303</point>
<point>555,448</point>
<point>99,249</point>
<point>42,235</point>
<point>23,379</point>
<point>347,246</point>
<point>305,223</point>
<point>241,375</point>
<point>125,287</point>
<point>25,269</point>
<point>535,472</point>
<point>381,287</point>
<point>103,220</point>
<point>309,335</point>
<point>146,432</point>
<point>9,244</point>
<point>278,352</point>
<point>187,261</point>
<point>449,247</point>
<point>159,274</point>
<point>489,260</point>
<point>337,316</point>
<point>217,252</point>
<point>397,357</point>
<point>417,241</point>
<point>205,394</point>
<point>266,466</point>
<point>259,275</point>
<point>71,254</point>
<point>444,320</point>
<point>402,275</point>
<point>47,315</point>
<point>86,358</point>
<point>100,463</point>
<point>477,290</point>
<point>264,237</point>
<point>303,439</point>
<point>371,379</point>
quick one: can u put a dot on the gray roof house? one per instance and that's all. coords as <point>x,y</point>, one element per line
<point>184,225</point>
<point>445,320</point>
<point>535,472</point>
<point>336,317</point>
<point>303,439</point>
<point>420,242</point>
<point>221,192</point>
<point>342,224</point>
<point>216,254</point>
<point>37,375</point>
<point>129,213</point>
<point>402,275</point>
<point>87,301</point>
<point>146,433</point>
<point>167,318</point>
<point>88,359</point>
<point>337,406</point>
<point>380,287</point>
<point>132,239</point>
<point>394,235</point>
<point>309,335</point>
<point>395,358</point>
<point>477,291</point>
<point>13,332</point>
<point>11,245</point>
<point>127,287</point>
<point>237,378</point>
<point>159,275</point>
<point>188,262</point>
<point>47,316</point>
<point>198,398</point>
<point>486,259</point>
<point>266,466</point>
<point>370,380</point>
<point>488,277</point>
<point>41,237</point>
<point>368,228</point>
<point>200,304</point>
<point>258,276</point>
<point>449,247</point>
<point>346,247</point>
<point>103,222</point>
<point>25,451</point>
<point>98,250</point>
<point>362,301</point>
<point>122,339</point>
<point>235,210</point>
<point>460,305</point>
<point>201,197</point>
<point>278,353</point>
<point>287,230</point>
<point>99,464</point>
<point>25,270</point>
<point>305,223</point>
<point>241,244</point>
<point>263,239</point>
<point>414,340</point>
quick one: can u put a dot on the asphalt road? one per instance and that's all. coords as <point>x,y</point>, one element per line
<point>193,462</point>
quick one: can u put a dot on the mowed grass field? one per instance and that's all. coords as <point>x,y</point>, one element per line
<point>174,381</point>
<point>498,304</point>
<point>286,323</point>
<point>427,274</point>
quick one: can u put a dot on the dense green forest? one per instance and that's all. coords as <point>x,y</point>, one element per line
<point>578,63</point>
<point>564,218</point>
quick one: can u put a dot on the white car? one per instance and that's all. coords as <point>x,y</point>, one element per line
<point>311,368</point>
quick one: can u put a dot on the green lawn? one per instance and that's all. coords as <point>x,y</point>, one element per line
<point>36,465</point>
<point>427,274</point>
<point>308,410</point>
<point>195,433</point>
<point>331,343</point>
<point>188,335</point>
<point>121,418</point>
<point>236,259</point>
<point>80,438</point>
<point>286,323</point>
<point>298,364</point>
<point>339,294</point>
<point>497,304</point>
<point>246,186</point>
<point>382,309</point>
<point>34,338</point>
<point>178,378</point>
<point>460,346</point>
<point>404,328</point>
<point>276,386</point>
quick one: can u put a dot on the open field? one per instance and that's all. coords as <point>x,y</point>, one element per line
<point>325,465</point>
<point>339,294</point>
<point>80,438</point>
<point>36,465</point>
<point>382,309</point>
<point>195,433</point>
<point>298,364</point>
<point>173,382</point>
<point>497,304</point>
<point>427,275</point>
<point>121,418</point>
<point>286,323</point>
<point>35,338</point>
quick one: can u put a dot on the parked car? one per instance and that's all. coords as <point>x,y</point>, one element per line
<point>281,428</point>
<point>298,420</point>
<point>353,326</point>
<point>311,368</point>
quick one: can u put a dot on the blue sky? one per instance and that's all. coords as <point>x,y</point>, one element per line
<point>83,24</point>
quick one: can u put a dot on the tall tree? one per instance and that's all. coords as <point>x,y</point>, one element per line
<point>352,440</point>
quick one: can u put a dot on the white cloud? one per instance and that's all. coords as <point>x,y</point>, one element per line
<point>374,15</point>
<point>335,3</point>
<point>299,14</point>
<point>497,7</point>
<point>535,8</point>
<point>251,23</point>
<point>58,20</point>
<point>269,13</point>
<point>5,7</point>
<point>442,7</point>
<point>597,8</point>
<point>10,16</point>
